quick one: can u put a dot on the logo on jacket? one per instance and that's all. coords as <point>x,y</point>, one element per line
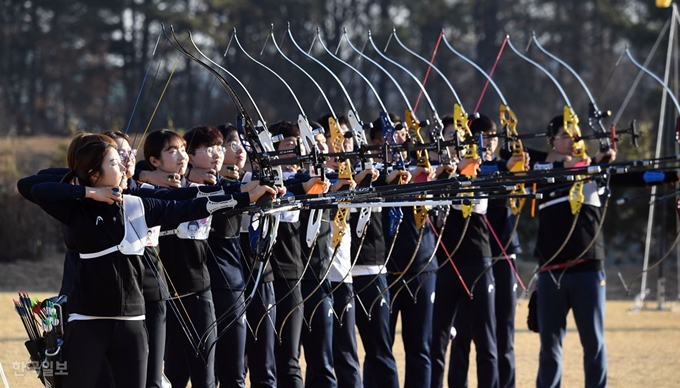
<point>99,218</point>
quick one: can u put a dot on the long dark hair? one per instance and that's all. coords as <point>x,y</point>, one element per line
<point>88,162</point>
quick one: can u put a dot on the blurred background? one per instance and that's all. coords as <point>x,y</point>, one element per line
<point>71,65</point>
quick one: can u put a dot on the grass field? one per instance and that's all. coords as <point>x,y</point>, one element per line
<point>643,349</point>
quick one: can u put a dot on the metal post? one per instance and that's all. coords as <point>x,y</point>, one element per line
<point>639,300</point>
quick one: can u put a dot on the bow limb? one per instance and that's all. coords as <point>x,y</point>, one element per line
<point>314,221</point>
<point>503,251</point>
<point>413,124</point>
<point>508,121</point>
<point>667,92</point>
<point>141,87</point>
<point>273,177</point>
<point>180,311</point>
<point>356,125</point>
<point>307,137</point>
<point>595,115</point>
<point>344,172</point>
<point>420,212</point>
<point>261,137</point>
<point>444,156</point>
<point>388,130</point>
<point>349,271</point>
<point>571,128</point>
<point>401,274</point>
<point>665,256</point>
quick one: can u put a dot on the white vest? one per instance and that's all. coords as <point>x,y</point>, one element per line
<point>137,234</point>
<point>192,230</point>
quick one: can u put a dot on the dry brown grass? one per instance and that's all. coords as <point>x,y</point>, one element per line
<point>643,349</point>
<point>30,154</point>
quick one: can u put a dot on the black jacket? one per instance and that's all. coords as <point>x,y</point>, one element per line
<point>110,285</point>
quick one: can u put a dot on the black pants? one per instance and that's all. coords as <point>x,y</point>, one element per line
<point>317,335</point>
<point>416,326</point>
<point>260,357</point>
<point>90,345</point>
<point>155,326</point>
<point>474,320</point>
<point>380,367</point>
<point>345,357</point>
<point>231,345</point>
<point>506,304</point>
<point>181,354</point>
<point>287,349</point>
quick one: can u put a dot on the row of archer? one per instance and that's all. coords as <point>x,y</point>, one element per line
<point>264,153</point>
<point>260,142</point>
<point>467,142</point>
<point>362,150</point>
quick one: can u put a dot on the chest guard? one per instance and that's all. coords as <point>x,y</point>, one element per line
<point>137,234</point>
<point>191,230</point>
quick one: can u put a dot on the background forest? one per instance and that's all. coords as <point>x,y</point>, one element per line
<point>69,65</point>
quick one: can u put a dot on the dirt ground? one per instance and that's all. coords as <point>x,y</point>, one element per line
<point>643,349</point>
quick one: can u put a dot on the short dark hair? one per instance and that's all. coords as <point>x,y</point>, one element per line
<point>554,125</point>
<point>157,141</point>
<point>316,125</point>
<point>482,124</point>
<point>323,122</point>
<point>285,128</point>
<point>446,121</point>
<point>376,131</point>
<point>202,136</point>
